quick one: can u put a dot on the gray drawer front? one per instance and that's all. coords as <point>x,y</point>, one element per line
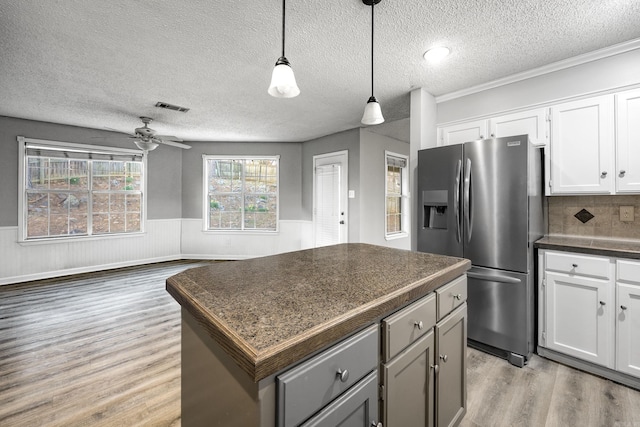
<point>358,407</point>
<point>402,328</point>
<point>451,296</point>
<point>307,388</point>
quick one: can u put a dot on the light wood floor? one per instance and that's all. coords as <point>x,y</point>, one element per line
<point>103,349</point>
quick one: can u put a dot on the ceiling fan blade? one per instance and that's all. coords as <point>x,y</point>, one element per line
<point>167,138</point>
<point>119,131</point>
<point>172,143</point>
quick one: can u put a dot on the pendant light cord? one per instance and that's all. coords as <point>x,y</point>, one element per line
<point>283,11</point>
<point>372,21</point>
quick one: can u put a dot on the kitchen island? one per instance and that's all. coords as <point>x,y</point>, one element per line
<point>245,322</point>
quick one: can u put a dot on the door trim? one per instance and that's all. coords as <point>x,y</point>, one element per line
<point>342,157</point>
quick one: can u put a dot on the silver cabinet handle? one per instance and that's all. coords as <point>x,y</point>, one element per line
<point>458,296</point>
<point>343,375</point>
<point>602,303</point>
<point>419,325</point>
<point>574,265</point>
<point>604,174</point>
<point>622,172</point>
<point>444,358</point>
<point>624,307</point>
<point>375,424</point>
<point>435,368</point>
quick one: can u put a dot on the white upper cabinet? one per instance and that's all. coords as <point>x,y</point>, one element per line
<point>463,132</point>
<point>628,144</point>
<point>532,123</point>
<point>582,146</point>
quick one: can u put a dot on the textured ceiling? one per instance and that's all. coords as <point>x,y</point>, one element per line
<point>98,63</point>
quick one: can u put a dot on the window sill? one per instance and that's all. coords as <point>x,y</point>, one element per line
<point>243,232</point>
<point>396,236</point>
<point>54,240</point>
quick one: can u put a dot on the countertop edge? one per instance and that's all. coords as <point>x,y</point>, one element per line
<point>259,365</point>
<point>600,247</point>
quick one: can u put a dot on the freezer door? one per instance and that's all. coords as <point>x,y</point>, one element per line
<point>500,309</point>
<point>439,204</point>
<point>495,203</point>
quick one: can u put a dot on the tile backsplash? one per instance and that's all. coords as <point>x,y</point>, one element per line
<point>605,222</point>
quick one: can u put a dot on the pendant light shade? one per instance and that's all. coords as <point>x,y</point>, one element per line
<point>372,111</point>
<point>283,82</point>
<point>145,145</point>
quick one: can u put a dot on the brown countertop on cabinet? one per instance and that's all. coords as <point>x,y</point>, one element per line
<point>270,312</point>
<point>603,247</point>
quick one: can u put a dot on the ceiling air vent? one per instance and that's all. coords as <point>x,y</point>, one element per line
<point>171,107</point>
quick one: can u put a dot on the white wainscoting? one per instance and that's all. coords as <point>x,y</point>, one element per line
<point>197,244</point>
<point>33,261</point>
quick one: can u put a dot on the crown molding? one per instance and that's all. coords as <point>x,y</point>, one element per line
<point>546,69</point>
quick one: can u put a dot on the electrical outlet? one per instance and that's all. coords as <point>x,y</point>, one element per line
<point>626,214</point>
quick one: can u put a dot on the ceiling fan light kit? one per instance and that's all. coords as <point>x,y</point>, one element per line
<point>145,145</point>
<point>283,82</point>
<point>372,111</point>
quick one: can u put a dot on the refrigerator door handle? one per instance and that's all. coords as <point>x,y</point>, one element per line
<point>467,199</point>
<point>456,200</point>
<point>493,278</point>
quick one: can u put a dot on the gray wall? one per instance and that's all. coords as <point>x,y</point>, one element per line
<point>372,186</point>
<point>348,140</point>
<point>164,166</point>
<point>290,172</point>
<point>609,73</point>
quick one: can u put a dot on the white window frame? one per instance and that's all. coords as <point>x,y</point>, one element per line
<point>405,203</point>
<point>84,148</point>
<point>205,196</point>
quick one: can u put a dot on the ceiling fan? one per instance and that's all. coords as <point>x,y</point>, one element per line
<point>146,139</point>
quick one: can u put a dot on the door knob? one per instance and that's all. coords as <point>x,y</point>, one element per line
<point>343,375</point>
<point>444,358</point>
<point>419,325</point>
<point>604,174</point>
<point>622,172</point>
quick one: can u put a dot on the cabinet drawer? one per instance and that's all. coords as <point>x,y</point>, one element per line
<point>583,265</point>
<point>407,325</point>
<point>451,296</point>
<point>308,387</point>
<point>629,271</point>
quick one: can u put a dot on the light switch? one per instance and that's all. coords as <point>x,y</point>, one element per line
<point>352,194</point>
<point>626,214</point>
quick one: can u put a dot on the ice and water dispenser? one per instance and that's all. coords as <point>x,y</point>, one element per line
<point>435,204</point>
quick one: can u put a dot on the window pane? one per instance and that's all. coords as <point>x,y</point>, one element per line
<point>133,222</point>
<point>100,175</point>
<point>58,225</point>
<point>134,201</point>
<point>133,179</point>
<point>78,175</point>
<point>117,222</point>
<point>116,203</point>
<point>117,176</point>
<point>37,215</point>
<point>231,220</point>
<point>225,176</point>
<point>37,173</point>
<point>100,203</point>
<point>78,223</point>
<point>100,223</point>
<point>58,174</point>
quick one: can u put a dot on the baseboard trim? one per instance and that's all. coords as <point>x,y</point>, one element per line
<point>591,368</point>
<point>87,269</point>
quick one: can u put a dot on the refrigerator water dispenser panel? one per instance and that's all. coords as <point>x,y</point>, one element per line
<point>435,204</point>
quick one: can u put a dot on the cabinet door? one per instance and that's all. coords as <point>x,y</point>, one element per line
<point>628,322</point>
<point>358,407</point>
<point>582,146</point>
<point>580,317</point>
<point>463,132</point>
<point>628,144</point>
<point>451,357</point>
<point>408,385</point>
<point>532,123</point>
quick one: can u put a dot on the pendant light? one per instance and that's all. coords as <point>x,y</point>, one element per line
<point>283,82</point>
<point>372,112</point>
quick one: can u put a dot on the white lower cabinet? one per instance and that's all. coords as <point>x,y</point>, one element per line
<point>590,311</point>
<point>628,317</point>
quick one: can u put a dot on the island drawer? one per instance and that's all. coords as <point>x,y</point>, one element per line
<point>451,296</point>
<point>308,387</point>
<point>407,325</point>
<point>583,265</point>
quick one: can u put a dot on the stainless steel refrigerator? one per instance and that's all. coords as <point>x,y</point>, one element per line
<point>482,200</point>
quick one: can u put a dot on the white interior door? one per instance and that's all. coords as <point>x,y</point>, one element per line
<point>330,202</point>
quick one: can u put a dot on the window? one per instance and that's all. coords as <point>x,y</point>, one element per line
<point>71,190</point>
<point>396,193</point>
<point>241,193</point>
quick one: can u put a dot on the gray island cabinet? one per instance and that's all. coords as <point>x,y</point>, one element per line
<point>350,335</point>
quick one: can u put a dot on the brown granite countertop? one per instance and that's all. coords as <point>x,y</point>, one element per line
<point>603,247</point>
<point>270,312</point>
